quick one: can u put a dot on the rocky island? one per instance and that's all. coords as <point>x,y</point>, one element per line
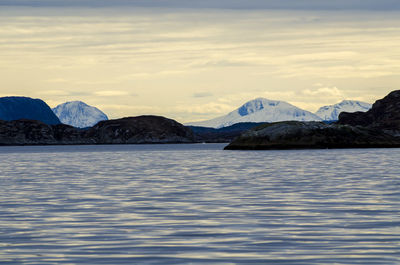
<point>378,127</point>
<point>132,130</point>
<point>139,130</point>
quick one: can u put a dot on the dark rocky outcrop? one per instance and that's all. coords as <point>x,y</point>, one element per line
<point>384,115</point>
<point>134,130</point>
<point>15,108</point>
<point>66,134</point>
<point>31,132</point>
<point>222,135</point>
<point>378,127</point>
<point>138,130</point>
<point>25,132</point>
<point>311,135</point>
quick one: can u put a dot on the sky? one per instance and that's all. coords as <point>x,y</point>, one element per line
<point>197,60</point>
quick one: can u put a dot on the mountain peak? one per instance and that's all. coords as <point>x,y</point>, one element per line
<point>260,110</point>
<point>255,105</point>
<point>331,112</point>
<point>79,114</point>
<point>75,103</point>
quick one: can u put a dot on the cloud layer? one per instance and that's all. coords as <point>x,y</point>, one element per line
<point>196,64</point>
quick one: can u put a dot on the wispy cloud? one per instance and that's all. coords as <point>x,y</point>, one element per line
<point>202,94</point>
<point>111,93</point>
<point>324,92</point>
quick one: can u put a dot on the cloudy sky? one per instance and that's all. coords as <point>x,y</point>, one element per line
<point>195,60</point>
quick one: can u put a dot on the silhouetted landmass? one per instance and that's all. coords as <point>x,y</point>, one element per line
<point>384,115</point>
<point>311,135</point>
<point>15,108</point>
<point>132,130</point>
<point>221,135</point>
<point>140,130</point>
<point>31,132</point>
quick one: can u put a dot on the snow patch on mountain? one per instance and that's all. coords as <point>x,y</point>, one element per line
<point>331,112</point>
<point>79,114</point>
<point>260,110</point>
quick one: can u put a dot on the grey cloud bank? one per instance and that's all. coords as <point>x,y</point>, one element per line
<point>372,5</point>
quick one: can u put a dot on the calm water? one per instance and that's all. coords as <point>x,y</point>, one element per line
<point>197,204</point>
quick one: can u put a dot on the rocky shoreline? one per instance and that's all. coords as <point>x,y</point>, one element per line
<point>132,130</point>
<point>311,135</point>
<point>377,128</point>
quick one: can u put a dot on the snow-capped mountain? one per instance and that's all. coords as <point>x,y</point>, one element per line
<point>79,114</point>
<point>260,110</point>
<point>331,112</point>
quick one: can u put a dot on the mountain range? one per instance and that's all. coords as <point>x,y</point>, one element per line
<point>265,110</point>
<point>26,121</point>
<point>81,115</point>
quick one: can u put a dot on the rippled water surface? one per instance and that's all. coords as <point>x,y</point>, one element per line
<point>197,204</point>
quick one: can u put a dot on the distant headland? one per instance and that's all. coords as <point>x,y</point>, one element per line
<point>27,121</point>
<point>378,127</point>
